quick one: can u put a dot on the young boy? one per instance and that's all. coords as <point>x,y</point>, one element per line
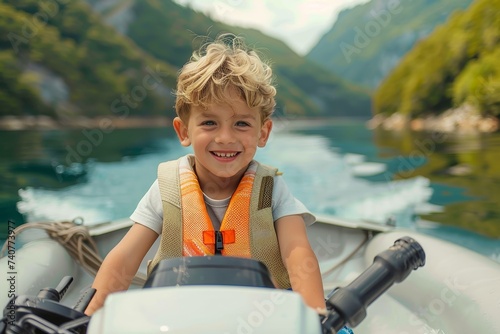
<point>219,200</point>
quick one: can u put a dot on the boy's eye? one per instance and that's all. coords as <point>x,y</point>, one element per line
<point>208,123</point>
<point>242,123</point>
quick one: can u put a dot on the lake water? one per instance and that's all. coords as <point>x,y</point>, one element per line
<point>443,185</point>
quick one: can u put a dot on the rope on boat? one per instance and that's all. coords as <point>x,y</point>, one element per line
<point>76,239</point>
<point>367,237</point>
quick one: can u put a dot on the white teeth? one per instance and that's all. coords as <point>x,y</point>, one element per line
<point>225,155</point>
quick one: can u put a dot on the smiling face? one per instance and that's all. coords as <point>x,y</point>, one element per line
<point>224,137</point>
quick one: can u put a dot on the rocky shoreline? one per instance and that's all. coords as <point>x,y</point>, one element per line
<point>460,120</point>
<point>464,119</point>
<point>14,123</point>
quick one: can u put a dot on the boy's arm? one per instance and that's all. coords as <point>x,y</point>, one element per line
<point>121,264</point>
<point>300,260</point>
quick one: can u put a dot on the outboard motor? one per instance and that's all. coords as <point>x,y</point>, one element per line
<point>345,305</point>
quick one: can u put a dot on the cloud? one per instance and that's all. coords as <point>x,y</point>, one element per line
<point>299,23</point>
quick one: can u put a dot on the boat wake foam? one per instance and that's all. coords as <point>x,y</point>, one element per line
<point>112,192</point>
<point>327,182</point>
<point>322,178</point>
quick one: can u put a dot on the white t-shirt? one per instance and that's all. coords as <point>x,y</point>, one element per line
<point>149,211</point>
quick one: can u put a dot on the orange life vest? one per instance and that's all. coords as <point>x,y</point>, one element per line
<point>247,229</point>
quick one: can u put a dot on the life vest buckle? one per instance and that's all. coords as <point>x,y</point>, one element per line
<point>217,239</point>
<point>219,242</point>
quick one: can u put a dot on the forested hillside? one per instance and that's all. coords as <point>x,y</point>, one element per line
<point>60,60</point>
<point>71,59</point>
<point>169,32</point>
<point>367,41</point>
<point>457,65</point>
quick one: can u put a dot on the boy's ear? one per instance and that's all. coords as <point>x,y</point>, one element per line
<point>265,131</point>
<point>182,131</point>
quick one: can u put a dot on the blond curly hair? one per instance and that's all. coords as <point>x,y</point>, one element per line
<point>223,66</point>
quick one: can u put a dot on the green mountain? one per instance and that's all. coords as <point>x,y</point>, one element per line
<point>458,64</point>
<point>169,32</point>
<point>59,59</point>
<point>67,59</point>
<point>367,41</point>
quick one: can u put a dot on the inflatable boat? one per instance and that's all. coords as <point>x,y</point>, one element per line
<point>369,275</point>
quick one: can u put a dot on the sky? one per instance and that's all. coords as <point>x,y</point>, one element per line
<point>299,23</point>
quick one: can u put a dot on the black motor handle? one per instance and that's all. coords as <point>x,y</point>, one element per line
<point>347,305</point>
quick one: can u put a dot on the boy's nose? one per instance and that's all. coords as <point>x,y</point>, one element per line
<point>224,136</point>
